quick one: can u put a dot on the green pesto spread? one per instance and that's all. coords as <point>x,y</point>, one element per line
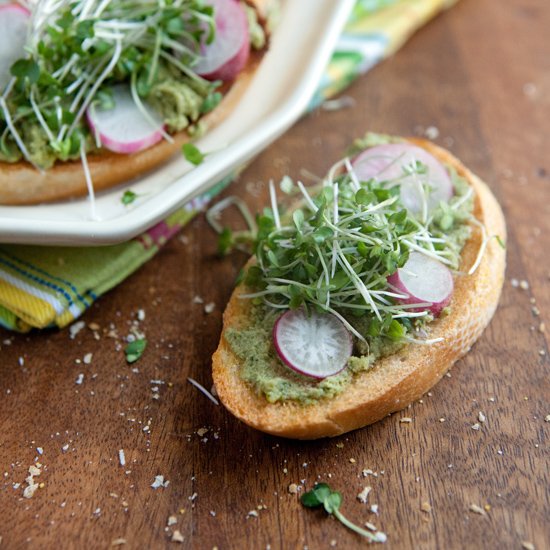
<point>253,342</point>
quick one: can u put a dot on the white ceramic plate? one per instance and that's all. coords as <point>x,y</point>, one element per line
<point>284,84</point>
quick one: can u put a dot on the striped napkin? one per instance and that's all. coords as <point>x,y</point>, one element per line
<point>51,286</point>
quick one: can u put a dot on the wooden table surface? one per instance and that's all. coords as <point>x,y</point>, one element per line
<point>480,74</point>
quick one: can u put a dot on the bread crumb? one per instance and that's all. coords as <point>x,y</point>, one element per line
<point>364,495</point>
<point>159,482</point>
<point>172,520</point>
<point>432,132</point>
<point>252,514</point>
<point>340,445</point>
<point>547,418</point>
<point>481,417</point>
<point>476,426</point>
<point>442,419</point>
<point>293,488</point>
<point>523,284</point>
<point>426,507</point>
<point>118,542</point>
<point>202,431</point>
<point>209,307</point>
<point>542,327</point>
<point>526,545</point>
<point>352,460</point>
<point>87,359</point>
<point>177,536</point>
<point>405,420</point>
<point>477,510</point>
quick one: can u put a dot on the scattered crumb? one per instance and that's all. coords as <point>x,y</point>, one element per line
<point>547,418</point>
<point>352,460</point>
<point>523,284</point>
<point>79,379</point>
<point>159,482</point>
<point>426,507</point>
<point>476,426</point>
<point>75,328</point>
<point>201,432</point>
<point>526,545</point>
<point>118,542</point>
<point>121,457</point>
<point>364,495</point>
<point>374,508</point>
<point>34,471</point>
<point>209,307</point>
<point>252,514</point>
<point>177,536</point>
<point>87,359</point>
<point>442,419</point>
<point>431,132</point>
<point>481,417</point>
<point>405,420</point>
<point>477,510</point>
<point>293,488</point>
<point>172,520</point>
<point>340,445</point>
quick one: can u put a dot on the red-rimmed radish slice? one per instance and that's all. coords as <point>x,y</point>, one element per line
<point>387,163</point>
<point>14,20</point>
<point>227,55</point>
<point>425,281</point>
<point>125,128</point>
<point>314,344</point>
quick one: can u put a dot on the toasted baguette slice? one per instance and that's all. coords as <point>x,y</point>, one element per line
<point>21,183</point>
<point>396,380</point>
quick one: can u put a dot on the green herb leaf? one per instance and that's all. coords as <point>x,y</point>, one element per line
<point>192,154</point>
<point>332,502</point>
<point>26,68</point>
<point>135,349</point>
<point>128,197</point>
<point>225,241</point>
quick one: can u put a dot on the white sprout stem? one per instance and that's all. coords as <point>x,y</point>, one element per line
<point>14,133</point>
<point>482,248</point>
<point>428,342</point>
<point>214,211</point>
<point>428,253</point>
<point>323,263</point>
<point>97,84</point>
<point>342,260</point>
<point>335,202</point>
<point>334,168</point>
<point>89,183</point>
<point>203,390</point>
<point>274,208</point>
<point>463,199</point>
<point>143,110</point>
<point>353,176</point>
<point>39,116</point>
<point>306,196</point>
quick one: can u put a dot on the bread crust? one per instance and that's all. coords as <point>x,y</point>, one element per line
<point>21,183</point>
<point>396,380</point>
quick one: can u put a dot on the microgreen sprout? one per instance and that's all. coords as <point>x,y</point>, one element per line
<point>128,197</point>
<point>192,154</point>
<point>323,495</point>
<point>335,253</point>
<point>134,350</point>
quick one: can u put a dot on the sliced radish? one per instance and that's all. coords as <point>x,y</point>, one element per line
<point>314,344</point>
<point>227,55</point>
<point>125,128</point>
<point>425,281</point>
<point>387,163</point>
<point>14,20</point>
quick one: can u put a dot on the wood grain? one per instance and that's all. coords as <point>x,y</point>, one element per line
<point>480,74</point>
